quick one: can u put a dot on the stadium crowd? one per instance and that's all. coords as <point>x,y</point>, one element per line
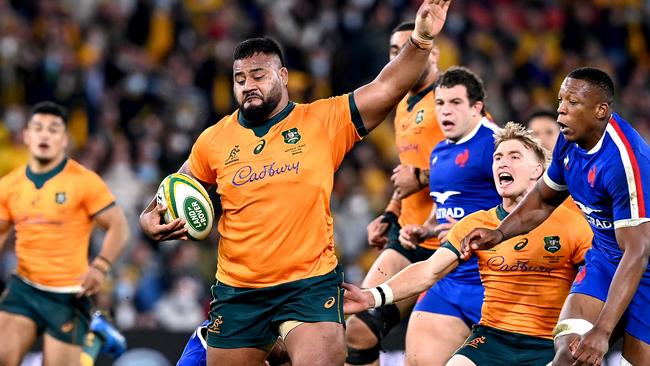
<point>143,78</point>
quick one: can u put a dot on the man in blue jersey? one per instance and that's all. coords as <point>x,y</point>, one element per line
<point>195,352</point>
<point>461,183</point>
<point>603,163</point>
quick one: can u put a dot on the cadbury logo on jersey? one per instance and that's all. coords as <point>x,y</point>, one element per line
<point>245,174</point>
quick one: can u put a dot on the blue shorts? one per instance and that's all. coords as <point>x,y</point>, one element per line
<point>594,279</point>
<point>455,298</point>
<point>195,352</point>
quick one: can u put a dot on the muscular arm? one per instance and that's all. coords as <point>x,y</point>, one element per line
<point>635,243</point>
<point>376,99</point>
<point>536,207</point>
<point>117,232</point>
<point>420,276</point>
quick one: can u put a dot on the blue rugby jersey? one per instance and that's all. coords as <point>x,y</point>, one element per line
<point>606,182</point>
<point>461,182</point>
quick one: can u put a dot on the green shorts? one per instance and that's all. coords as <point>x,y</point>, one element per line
<point>63,316</point>
<point>250,317</point>
<point>418,254</point>
<point>488,346</point>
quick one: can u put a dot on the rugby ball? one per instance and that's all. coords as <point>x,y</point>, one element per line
<point>186,198</point>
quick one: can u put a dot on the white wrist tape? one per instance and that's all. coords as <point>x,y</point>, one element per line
<point>571,326</point>
<point>382,294</point>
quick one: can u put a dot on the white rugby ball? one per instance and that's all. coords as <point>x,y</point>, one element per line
<point>186,198</point>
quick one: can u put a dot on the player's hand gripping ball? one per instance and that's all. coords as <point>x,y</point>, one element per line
<point>186,198</point>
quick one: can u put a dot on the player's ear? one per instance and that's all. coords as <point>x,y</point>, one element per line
<point>537,172</point>
<point>284,76</point>
<point>477,108</point>
<point>602,110</point>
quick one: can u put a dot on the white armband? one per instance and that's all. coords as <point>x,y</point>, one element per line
<point>571,326</point>
<point>382,294</point>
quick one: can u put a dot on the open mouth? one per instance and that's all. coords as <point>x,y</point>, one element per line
<point>505,179</point>
<point>563,127</point>
<point>447,124</point>
<point>43,145</point>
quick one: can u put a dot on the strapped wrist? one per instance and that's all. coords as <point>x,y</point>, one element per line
<point>420,42</point>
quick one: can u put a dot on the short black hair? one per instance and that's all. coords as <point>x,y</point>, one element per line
<point>459,75</point>
<point>404,26</point>
<point>51,108</point>
<point>541,113</point>
<point>596,77</point>
<point>253,46</point>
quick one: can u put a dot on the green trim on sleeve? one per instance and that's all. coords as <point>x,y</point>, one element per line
<point>356,116</point>
<point>103,209</point>
<point>451,247</point>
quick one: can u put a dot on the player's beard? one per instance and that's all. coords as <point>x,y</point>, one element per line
<point>259,114</point>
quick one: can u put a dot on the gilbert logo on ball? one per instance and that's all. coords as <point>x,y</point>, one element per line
<point>186,198</point>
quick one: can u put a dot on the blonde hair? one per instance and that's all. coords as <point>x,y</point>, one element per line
<point>516,131</point>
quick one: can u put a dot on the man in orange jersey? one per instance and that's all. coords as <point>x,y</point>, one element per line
<point>526,278</point>
<point>273,163</point>
<point>416,133</point>
<point>53,203</point>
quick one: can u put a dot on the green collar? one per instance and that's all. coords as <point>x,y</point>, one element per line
<point>39,179</point>
<point>262,130</point>
<point>501,212</point>
<point>415,99</point>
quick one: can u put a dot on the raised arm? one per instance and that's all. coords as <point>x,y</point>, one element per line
<point>376,99</point>
<point>536,207</point>
<point>409,282</point>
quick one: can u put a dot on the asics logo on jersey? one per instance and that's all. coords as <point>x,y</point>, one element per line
<point>259,147</point>
<point>442,197</point>
<point>462,158</point>
<point>245,174</point>
<point>329,303</point>
<point>585,209</point>
<point>591,177</point>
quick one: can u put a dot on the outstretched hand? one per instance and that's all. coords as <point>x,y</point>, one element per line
<point>356,300</point>
<point>429,21</point>
<point>478,239</point>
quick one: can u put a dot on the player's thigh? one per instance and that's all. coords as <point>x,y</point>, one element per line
<point>387,264</point>
<point>235,356</point>
<point>635,351</point>
<point>57,352</point>
<point>316,344</point>
<point>431,339</point>
<point>460,360</point>
<point>581,306</point>
<point>17,334</point>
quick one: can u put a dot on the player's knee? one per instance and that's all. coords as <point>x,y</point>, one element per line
<point>358,334</point>
<point>362,356</point>
<point>377,322</point>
